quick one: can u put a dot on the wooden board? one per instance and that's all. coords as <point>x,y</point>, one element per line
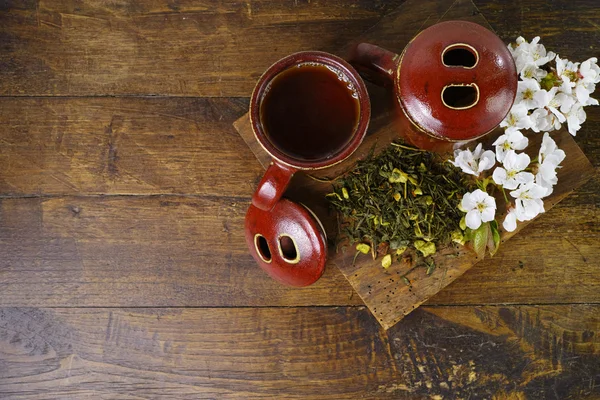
<point>163,47</point>
<point>383,291</point>
<point>500,352</point>
<point>92,238</point>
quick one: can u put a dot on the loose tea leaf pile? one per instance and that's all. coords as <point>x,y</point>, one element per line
<point>403,198</point>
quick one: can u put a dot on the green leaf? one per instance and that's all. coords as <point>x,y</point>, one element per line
<point>494,238</point>
<point>463,223</point>
<point>468,234</point>
<point>480,239</point>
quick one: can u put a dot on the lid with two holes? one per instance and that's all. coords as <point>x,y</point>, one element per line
<point>456,80</point>
<point>287,242</point>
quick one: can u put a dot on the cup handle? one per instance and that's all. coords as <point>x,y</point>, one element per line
<point>272,186</point>
<point>374,63</point>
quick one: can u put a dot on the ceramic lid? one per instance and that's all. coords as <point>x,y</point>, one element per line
<point>287,242</point>
<point>456,80</point>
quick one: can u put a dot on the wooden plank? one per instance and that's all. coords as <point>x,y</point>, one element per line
<point>123,146</point>
<point>569,28</point>
<point>384,291</point>
<point>164,47</point>
<point>539,352</point>
<point>310,353</point>
<point>140,251</point>
<point>122,251</point>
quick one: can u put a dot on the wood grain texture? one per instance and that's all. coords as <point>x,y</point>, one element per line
<point>384,291</point>
<point>125,202</point>
<point>190,251</point>
<point>140,251</point>
<point>164,47</point>
<point>442,352</point>
<point>540,352</point>
<point>54,146</point>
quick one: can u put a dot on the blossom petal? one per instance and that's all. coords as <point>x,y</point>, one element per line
<point>488,214</point>
<point>487,160</point>
<point>510,222</point>
<point>499,176</point>
<point>518,140</point>
<point>522,160</point>
<point>473,219</point>
<point>490,202</point>
<point>467,202</point>
<point>524,177</point>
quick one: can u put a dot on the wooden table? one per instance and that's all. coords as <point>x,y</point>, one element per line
<point>123,187</point>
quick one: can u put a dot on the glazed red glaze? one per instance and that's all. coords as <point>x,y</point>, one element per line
<point>294,220</point>
<point>420,75</point>
<point>273,183</point>
<point>271,216</point>
<point>316,57</point>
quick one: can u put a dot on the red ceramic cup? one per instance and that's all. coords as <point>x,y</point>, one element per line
<point>286,239</point>
<point>454,82</point>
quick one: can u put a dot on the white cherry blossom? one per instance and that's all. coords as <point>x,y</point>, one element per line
<point>552,101</point>
<point>528,201</point>
<point>474,162</point>
<point>579,79</point>
<point>549,158</point>
<point>566,69</point>
<point>512,139</point>
<point>589,70</point>
<point>542,120</point>
<point>513,174</point>
<point>517,118</point>
<point>531,53</point>
<point>575,117</point>
<point>583,90</point>
<point>549,150</point>
<point>526,89</point>
<point>538,52</point>
<point>532,71</point>
<point>479,206</point>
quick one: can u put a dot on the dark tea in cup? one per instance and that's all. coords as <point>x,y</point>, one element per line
<point>310,111</point>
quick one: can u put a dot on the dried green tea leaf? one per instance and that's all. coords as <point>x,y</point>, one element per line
<point>386,261</point>
<point>426,248</point>
<point>458,237</point>
<point>363,248</point>
<point>345,193</point>
<point>401,250</point>
<point>430,267</point>
<point>398,176</point>
<point>398,197</point>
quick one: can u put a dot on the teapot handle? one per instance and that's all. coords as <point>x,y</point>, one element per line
<point>374,63</point>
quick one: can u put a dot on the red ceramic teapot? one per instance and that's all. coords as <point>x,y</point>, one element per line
<point>454,82</point>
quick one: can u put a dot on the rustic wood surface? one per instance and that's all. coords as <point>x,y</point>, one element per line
<point>123,187</point>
